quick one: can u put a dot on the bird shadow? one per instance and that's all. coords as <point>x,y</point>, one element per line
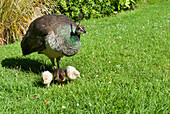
<point>26,64</point>
<point>39,83</point>
<point>30,65</point>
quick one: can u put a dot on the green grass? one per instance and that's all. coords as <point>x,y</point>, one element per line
<point>124,61</point>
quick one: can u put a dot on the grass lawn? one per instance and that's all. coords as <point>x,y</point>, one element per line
<point>124,64</point>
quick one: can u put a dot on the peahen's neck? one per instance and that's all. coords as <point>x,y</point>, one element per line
<point>78,35</point>
<point>72,44</point>
<point>73,40</point>
<point>74,34</point>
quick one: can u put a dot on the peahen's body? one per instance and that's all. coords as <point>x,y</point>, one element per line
<point>53,35</point>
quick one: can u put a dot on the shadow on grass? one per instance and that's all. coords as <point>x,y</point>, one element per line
<point>39,83</point>
<point>30,65</point>
<point>26,64</point>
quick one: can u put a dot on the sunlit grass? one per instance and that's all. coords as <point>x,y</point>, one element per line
<point>124,64</point>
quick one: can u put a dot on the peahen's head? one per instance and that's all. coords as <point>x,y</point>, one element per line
<point>80,29</point>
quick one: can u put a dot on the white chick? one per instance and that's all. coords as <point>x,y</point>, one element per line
<point>47,77</point>
<point>72,73</point>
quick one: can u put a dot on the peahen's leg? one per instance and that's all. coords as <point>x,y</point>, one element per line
<point>57,60</point>
<point>52,60</point>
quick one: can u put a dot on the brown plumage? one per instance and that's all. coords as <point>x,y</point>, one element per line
<point>59,75</point>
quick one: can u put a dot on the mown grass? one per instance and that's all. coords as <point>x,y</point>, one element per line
<point>124,61</point>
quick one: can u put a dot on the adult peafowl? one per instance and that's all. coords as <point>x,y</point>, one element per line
<point>53,35</point>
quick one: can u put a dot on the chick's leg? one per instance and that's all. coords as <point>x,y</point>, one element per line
<point>48,85</point>
<point>71,81</point>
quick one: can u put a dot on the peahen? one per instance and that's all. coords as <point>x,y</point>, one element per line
<point>53,35</point>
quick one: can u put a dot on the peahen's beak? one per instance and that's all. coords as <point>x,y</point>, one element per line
<point>84,31</point>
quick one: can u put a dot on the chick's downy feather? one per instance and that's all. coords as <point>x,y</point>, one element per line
<point>47,77</point>
<point>59,75</point>
<point>72,73</point>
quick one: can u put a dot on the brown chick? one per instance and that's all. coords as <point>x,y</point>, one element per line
<point>59,75</point>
